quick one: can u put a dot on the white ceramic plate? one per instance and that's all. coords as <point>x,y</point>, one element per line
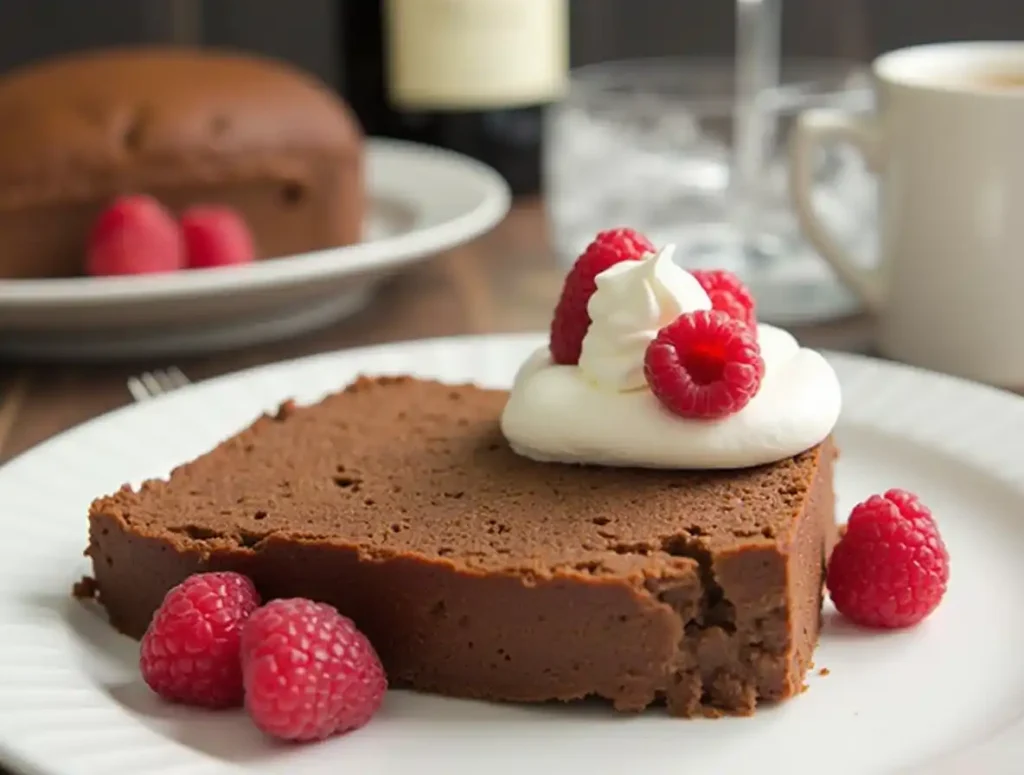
<point>946,697</point>
<point>422,201</point>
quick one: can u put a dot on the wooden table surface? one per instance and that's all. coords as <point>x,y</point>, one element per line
<point>503,282</point>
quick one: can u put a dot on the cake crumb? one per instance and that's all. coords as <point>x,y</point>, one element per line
<point>824,671</point>
<point>85,588</point>
<point>711,712</point>
<point>285,410</point>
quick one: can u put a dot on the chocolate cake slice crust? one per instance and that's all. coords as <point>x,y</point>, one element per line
<point>479,573</point>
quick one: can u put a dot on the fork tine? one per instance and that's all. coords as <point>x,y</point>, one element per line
<point>164,380</point>
<point>150,384</point>
<point>176,378</point>
<point>159,382</point>
<point>137,389</point>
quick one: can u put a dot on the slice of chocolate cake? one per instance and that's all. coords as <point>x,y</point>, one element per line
<point>480,573</point>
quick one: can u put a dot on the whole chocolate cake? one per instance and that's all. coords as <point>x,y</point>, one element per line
<point>184,126</point>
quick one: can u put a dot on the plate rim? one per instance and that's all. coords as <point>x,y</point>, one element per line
<point>493,200</point>
<point>524,339</point>
<point>993,753</point>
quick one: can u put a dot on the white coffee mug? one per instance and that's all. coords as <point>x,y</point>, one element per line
<point>947,145</point>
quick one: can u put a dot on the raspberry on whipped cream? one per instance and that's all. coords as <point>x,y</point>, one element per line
<point>601,411</point>
<point>705,365</point>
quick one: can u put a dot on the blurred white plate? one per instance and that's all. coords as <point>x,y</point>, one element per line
<point>422,201</point>
<point>944,698</point>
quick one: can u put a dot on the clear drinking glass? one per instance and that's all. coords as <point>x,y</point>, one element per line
<point>664,146</point>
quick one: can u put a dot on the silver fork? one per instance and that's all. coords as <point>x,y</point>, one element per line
<point>151,384</point>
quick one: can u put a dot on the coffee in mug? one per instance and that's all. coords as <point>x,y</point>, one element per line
<point>996,79</point>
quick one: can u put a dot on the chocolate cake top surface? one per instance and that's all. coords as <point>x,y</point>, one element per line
<point>85,120</point>
<point>397,465</point>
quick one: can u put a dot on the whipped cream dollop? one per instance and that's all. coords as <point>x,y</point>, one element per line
<point>601,412</point>
<point>633,300</point>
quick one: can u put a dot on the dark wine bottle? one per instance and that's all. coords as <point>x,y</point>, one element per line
<point>473,76</point>
<point>361,48</point>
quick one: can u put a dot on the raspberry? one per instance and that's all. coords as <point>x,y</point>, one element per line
<point>190,652</point>
<point>135,235</point>
<point>890,568</point>
<point>728,294</point>
<point>216,235</point>
<point>704,365</point>
<point>571,319</point>
<point>308,672</point>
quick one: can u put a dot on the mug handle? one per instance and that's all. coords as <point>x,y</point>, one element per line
<point>813,129</point>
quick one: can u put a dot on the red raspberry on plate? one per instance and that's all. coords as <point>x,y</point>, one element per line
<point>571,319</point>
<point>216,235</point>
<point>135,235</point>
<point>890,568</point>
<point>190,652</point>
<point>308,672</point>
<point>728,294</point>
<point>704,365</point>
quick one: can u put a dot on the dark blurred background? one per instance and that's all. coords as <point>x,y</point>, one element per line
<point>343,42</point>
<point>307,31</point>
